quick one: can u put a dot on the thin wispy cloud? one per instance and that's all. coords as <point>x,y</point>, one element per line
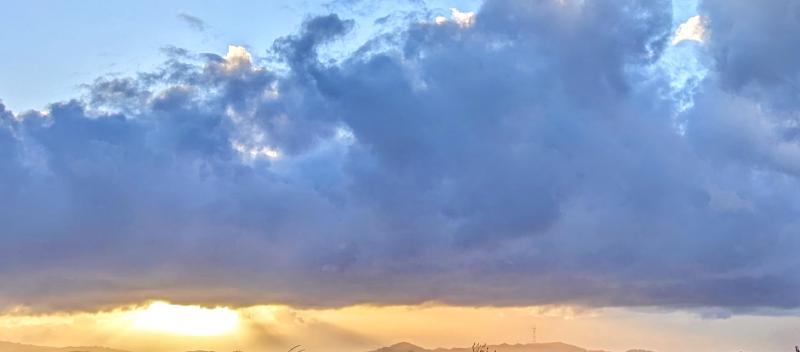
<point>193,22</point>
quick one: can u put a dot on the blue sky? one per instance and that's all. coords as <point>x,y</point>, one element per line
<point>58,45</point>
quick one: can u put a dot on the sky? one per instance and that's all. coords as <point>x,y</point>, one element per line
<point>67,44</point>
<point>619,174</point>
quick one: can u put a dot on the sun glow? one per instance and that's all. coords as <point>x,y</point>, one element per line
<point>168,318</point>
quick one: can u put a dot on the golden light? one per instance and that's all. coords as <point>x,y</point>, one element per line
<point>174,319</point>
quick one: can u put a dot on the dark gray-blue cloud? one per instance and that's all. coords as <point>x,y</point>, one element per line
<point>531,158</point>
<point>753,49</point>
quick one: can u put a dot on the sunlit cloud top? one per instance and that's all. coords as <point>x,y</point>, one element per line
<point>693,29</point>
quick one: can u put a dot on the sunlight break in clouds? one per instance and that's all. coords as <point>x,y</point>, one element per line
<point>185,320</point>
<point>693,29</point>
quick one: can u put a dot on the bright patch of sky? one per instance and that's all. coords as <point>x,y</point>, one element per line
<point>684,60</point>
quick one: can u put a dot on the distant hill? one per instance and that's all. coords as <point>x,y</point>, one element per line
<point>531,347</point>
<point>18,347</point>
<point>398,347</point>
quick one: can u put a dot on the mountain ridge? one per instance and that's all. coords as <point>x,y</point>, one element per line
<point>504,347</point>
<point>402,346</point>
<point>6,346</point>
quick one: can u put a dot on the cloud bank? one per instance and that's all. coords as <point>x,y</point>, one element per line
<point>529,157</point>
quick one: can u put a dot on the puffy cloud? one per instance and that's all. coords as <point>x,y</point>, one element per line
<point>463,19</point>
<point>237,58</point>
<point>530,157</point>
<point>753,49</point>
<point>693,30</point>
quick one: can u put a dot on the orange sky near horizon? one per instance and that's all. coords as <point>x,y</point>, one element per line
<point>163,327</point>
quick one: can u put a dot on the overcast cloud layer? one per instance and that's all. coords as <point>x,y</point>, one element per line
<point>534,154</point>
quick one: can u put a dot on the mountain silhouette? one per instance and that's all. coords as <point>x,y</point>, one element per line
<point>398,347</point>
<point>19,347</point>
<point>531,347</point>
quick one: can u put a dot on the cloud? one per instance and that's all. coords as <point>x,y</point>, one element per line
<point>752,48</point>
<point>193,22</point>
<point>237,58</point>
<point>464,19</point>
<point>529,158</point>
<point>300,50</point>
<point>691,30</point>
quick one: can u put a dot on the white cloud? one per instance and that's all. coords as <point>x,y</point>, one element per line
<point>254,152</point>
<point>237,58</point>
<point>693,29</point>
<point>464,19</point>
